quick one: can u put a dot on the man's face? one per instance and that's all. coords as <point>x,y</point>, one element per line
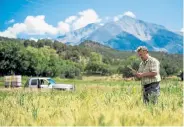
<point>142,54</point>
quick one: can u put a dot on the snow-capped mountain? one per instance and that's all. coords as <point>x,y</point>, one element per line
<point>75,37</point>
<point>126,41</point>
<point>170,41</point>
<point>138,28</point>
<point>126,34</point>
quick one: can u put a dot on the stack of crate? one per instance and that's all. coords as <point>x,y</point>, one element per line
<point>12,81</point>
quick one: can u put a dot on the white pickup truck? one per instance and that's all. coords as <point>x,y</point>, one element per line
<point>44,82</point>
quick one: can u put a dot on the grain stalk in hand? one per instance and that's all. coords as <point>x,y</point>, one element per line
<point>133,70</point>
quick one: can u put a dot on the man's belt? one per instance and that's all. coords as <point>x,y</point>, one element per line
<point>151,85</point>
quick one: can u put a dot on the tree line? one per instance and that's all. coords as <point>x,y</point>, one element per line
<point>52,58</point>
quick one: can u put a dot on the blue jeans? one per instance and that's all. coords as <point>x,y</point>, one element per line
<point>151,92</point>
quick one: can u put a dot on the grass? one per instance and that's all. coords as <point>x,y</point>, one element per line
<point>96,102</point>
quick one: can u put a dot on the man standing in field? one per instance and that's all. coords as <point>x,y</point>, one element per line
<point>149,73</point>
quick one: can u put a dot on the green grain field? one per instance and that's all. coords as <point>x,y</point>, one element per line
<point>95,102</point>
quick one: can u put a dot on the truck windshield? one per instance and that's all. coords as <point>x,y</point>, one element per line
<point>51,81</point>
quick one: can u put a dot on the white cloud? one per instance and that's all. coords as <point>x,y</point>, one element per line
<point>63,27</point>
<point>8,34</point>
<point>31,26</point>
<point>36,25</point>
<point>34,39</point>
<point>129,13</point>
<point>78,21</point>
<point>86,17</point>
<point>11,21</point>
<point>70,19</point>
<point>116,18</point>
<point>17,28</point>
<point>182,30</point>
<point>14,30</point>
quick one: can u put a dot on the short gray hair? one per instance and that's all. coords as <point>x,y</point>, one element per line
<point>143,48</point>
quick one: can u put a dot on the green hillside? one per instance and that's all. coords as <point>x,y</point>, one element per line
<point>52,58</point>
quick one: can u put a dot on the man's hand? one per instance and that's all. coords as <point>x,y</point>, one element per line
<point>139,75</point>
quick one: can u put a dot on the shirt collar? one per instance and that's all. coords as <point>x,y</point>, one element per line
<point>146,60</point>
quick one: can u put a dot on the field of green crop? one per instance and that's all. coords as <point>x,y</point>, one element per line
<point>96,102</point>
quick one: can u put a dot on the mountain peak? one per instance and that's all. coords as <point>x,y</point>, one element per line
<point>127,33</point>
<point>75,37</point>
<point>139,28</point>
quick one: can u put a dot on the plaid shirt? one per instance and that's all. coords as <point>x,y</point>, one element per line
<point>150,65</point>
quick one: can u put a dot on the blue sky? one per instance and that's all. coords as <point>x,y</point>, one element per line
<point>41,17</point>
